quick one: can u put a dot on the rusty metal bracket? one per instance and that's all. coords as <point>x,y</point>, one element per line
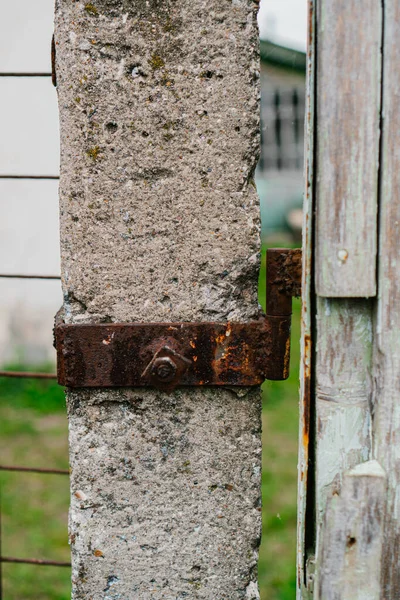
<point>167,355</point>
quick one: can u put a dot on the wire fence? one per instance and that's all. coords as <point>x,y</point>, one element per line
<point>31,375</point>
<point>27,469</point>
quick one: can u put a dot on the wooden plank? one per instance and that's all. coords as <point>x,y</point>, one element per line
<point>387,338</point>
<point>343,392</point>
<point>303,498</point>
<point>348,108</point>
<point>352,537</point>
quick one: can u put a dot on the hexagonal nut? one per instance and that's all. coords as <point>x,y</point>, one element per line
<point>167,367</point>
<point>164,369</point>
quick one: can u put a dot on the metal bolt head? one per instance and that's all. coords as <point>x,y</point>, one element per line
<point>167,367</point>
<point>164,369</point>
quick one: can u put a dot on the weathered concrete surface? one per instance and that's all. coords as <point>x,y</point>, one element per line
<point>160,221</point>
<point>165,495</point>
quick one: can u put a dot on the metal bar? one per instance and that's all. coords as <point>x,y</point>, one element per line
<point>25,74</point>
<point>198,354</point>
<point>25,276</point>
<point>34,470</point>
<point>283,279</point>
<point>283,282</point>
<point>278,129</point>
<point>298,115</point>
<point>29,177</point>
<point>53,62</point>
<point>34,561</point>
<point>28,375</point>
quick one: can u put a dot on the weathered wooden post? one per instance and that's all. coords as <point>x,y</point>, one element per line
<point>349,516</point>
<point>160,222</point>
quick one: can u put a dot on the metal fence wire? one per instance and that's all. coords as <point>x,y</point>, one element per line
<point>25,469</point>
<point>30,375</point>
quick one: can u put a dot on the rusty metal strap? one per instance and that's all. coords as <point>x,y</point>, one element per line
<point>165,355</point>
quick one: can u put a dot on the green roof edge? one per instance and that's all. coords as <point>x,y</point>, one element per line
<point>273,54</point>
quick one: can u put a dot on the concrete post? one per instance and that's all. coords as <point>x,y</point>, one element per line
<point>160,222</point>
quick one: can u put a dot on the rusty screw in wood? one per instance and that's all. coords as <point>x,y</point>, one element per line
<point>164,369</point>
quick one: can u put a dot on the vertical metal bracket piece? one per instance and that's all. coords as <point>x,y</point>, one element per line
<point>283,283</point>
<point>167,355</point>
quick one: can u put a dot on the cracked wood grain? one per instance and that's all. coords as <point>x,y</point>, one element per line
<point>343,397</point>
<point>353,536</point>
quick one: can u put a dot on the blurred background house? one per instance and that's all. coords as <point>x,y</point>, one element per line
<point>30,149</point>
<point>279,174</point>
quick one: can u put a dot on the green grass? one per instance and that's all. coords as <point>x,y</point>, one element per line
<point>277,566</point>
<point>33,432</point>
